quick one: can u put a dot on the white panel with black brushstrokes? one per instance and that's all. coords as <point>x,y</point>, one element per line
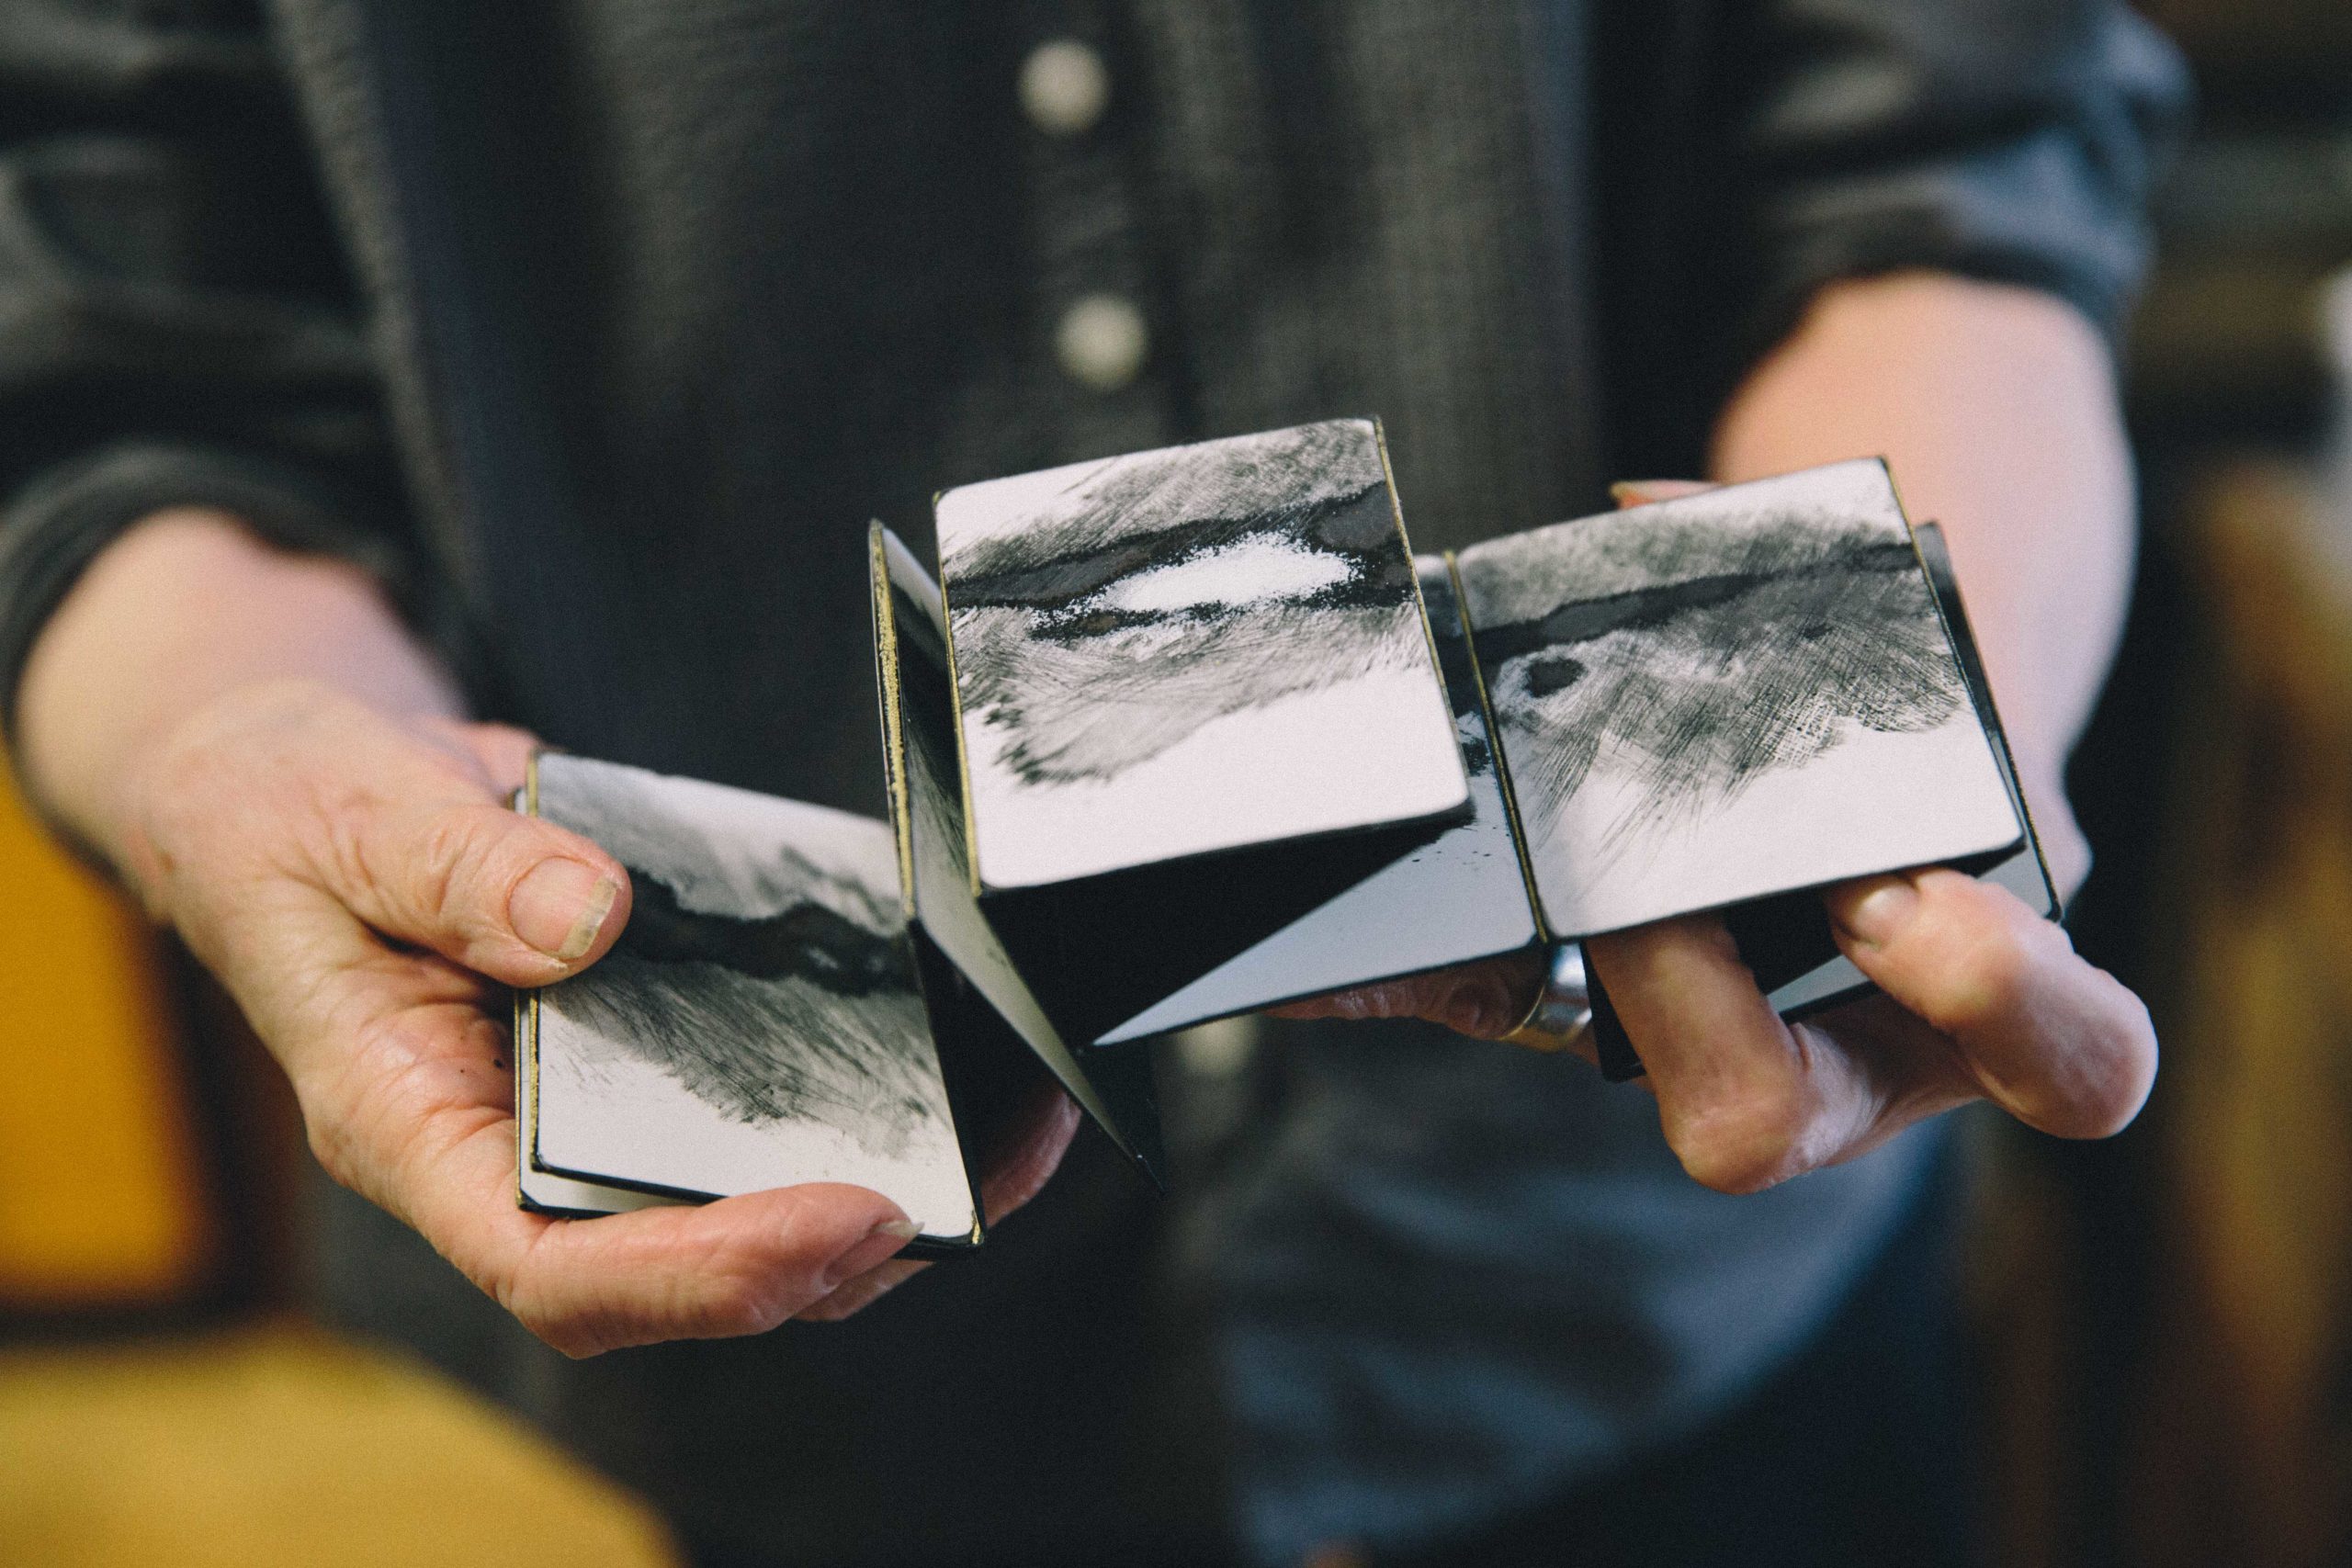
<point>758,1023</point>
<point>1714,699</point>
<point>541,1189</point>
<point>1188,650</point>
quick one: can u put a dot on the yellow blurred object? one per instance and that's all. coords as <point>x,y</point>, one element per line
<point>102,1202</point>
<point>279,1444</point>
<point>255,1445</point>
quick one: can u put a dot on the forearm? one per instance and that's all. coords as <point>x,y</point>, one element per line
<point>183,608</point>
<point>1997,407</point>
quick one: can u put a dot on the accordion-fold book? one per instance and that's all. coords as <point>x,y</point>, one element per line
<point>1184,734</point>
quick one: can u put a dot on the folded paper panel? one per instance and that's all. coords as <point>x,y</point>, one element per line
<point>1729,696</point>
<point>927,811</point>
<point>1190,650</point>
<point>758,1023</point>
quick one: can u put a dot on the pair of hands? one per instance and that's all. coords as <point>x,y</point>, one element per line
<point>359,885</point>
<point>1980,998</point>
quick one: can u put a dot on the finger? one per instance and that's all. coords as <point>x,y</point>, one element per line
<point>855,1296</point>
<point>2060,1045</point>
<point>1645,492</point>
<point>1745,1101</point>
<point>1032,1156</point>
<point>413,1109</point>
<point>1486,999</point>
<point>739,1265</point>
<point>501,752</point>
<point>508,896</point>
<point>1015,1177</point>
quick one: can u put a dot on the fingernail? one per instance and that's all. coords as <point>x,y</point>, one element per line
<point>1628,493</point>
<point>560,906</point>
<point>1877,916</point>
<point>881,1244</point>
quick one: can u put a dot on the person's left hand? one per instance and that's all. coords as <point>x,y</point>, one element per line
<point>1980,998</point>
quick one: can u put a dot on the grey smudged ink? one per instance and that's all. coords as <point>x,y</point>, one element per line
<point>1698,654</point>
<point>772,989</point>
<point>1158,593</point>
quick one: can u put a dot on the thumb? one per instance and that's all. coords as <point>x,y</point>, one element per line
<point>2059,1045</point>
<point>507,895</point>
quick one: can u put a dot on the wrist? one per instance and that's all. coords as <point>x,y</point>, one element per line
<point>185,609</point>
<point>163,765</point>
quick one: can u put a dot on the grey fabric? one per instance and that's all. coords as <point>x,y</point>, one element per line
<point>67,514</point>
<point>605,325</point>
<point>2004,139</point>
<point>1588,1301</point>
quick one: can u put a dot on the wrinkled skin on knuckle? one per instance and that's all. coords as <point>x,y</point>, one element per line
<point>430,863</point>
<point>730,1292</point>
<point>295,775</point>
<point>745,1284</point>
<point>329,838</point>
<point>570,1309</point>
<point>1746,1133</point>
<point>445,863</point>
<point>1738,1148</point>
<point>1483,1001</point>
<point>1389,998</point>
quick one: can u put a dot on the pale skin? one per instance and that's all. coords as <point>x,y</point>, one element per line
<point>261,751</point>
<point>1997,409</point>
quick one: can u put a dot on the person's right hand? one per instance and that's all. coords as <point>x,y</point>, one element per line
<point>361,888</point>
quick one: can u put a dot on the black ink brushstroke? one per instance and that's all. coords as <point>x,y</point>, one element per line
<point>1091,708</point>
<point>1088,688</point>
<point>1060,592</point>
<point>1703,684</point>
<point>808,940</point>
<point>766,1051</point>
<point>1639,608</point>
<point>806,1012</point>
<point>1307,474</point>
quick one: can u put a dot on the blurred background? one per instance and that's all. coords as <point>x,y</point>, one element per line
<point>2164,1321</point>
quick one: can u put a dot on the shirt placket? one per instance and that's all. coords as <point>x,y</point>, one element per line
<point>1101,342</point>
